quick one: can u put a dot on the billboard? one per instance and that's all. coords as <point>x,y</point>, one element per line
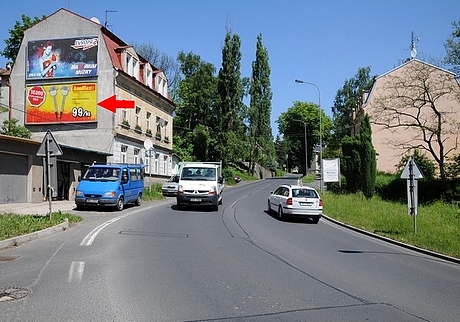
<point>62,58</point>
<point>61,103</point>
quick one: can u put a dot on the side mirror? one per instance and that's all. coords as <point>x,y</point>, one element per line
<point>176,179</point>
<point>79,178</point>
<point>220,180</point>
<point>124,179</point>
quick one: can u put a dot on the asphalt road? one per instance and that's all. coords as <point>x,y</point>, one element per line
<point>155,263</point>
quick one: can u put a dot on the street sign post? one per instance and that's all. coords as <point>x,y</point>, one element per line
<point>412,173</point>
<point>49,147</point>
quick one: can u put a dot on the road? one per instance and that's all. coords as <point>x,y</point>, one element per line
<point>155,263</point>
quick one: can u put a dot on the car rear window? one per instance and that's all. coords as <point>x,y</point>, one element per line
<point>304,193</point>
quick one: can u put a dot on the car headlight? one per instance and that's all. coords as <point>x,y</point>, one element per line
<point>110,194</point>
<point>79,193</point>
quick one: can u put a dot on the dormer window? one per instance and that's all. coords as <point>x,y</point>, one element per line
<point>148,77</point>
<point>132,66</point>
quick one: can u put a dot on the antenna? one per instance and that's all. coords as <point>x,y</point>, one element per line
<point>413,44</point>
<point>106,23</point>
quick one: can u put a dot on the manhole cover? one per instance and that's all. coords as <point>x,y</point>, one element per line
<point>13,293</point>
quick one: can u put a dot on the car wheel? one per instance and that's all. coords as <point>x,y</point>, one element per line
<point>120,204</point>
<point>215,207</point>
<point>269,207</point>
<point>139,200</point>
<point>280,212</point>
<point>315,220</point>
<point>179,206</point>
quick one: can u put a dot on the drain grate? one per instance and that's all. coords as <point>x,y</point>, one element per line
<point>13,293</point>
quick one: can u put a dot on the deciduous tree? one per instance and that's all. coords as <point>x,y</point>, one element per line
<point>13,43</point>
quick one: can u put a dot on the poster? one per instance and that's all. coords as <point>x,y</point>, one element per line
<point>61,103</point>
<point>62,58</point>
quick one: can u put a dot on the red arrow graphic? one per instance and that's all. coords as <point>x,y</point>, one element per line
<point>112,103</point>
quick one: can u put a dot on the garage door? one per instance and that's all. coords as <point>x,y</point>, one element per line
<point>13,178</point>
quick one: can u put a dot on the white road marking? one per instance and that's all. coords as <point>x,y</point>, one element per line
<point>88,240</point>
<point>76,272</point>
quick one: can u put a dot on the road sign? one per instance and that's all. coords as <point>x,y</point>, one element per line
<point>52,146</point>
<point>417,174</point>
<point>36,95</point>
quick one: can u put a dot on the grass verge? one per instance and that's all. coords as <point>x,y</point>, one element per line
<point>12,225</point>
<point>438,224</point>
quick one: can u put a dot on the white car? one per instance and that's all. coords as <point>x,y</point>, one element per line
<point>170,187</point>
<point>296,201</point>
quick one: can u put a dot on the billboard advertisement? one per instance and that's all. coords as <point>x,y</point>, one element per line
<point>62,58</point>
<point>61,103</point>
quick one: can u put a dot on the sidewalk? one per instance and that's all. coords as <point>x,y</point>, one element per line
<point>39,208</point>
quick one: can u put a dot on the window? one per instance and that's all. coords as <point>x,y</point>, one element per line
<point>158,132</point>
<point>124,116</point>
<point>124,149</point>
<point>148,77</point>
<point>137,118</point>
<point>136,155</point>
<point>147,121</point>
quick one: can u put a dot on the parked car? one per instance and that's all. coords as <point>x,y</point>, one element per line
<point>296,201</point>
<point>169,188</point>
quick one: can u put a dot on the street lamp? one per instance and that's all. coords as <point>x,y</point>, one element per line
<point>305,133</point>
<point>320,131</point>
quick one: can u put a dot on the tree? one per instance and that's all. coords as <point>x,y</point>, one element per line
<point>261,138</point>
<point>346,101</point>
<point>162,61</point>
<point>452,46</point>
<point>294,132</point>
<point>420,103</point>
<point>195,103</point>
<point>13,43</point>
<point>350,164</point>
<point>368,161</point>
<point>11,128</point>
<point>230,109</point>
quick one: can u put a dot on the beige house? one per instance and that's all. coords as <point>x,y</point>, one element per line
<point>414,106</point>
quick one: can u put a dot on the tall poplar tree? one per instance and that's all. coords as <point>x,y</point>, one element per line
<point>261,138</point>
<point>230,109</point>
<point>368,161</point>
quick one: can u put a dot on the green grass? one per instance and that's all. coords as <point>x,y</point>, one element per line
<point>12,225</point>
<point>153,192</point>
<point>438,224</point>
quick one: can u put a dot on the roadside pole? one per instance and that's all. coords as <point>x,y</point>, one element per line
<point>411,172</point>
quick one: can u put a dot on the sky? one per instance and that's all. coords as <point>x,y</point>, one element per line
<point>323,42</point>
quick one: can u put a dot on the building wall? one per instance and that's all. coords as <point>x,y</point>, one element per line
<point>398,90</point>
<point>81,135</point>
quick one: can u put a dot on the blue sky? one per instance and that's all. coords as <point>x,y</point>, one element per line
<point>324,42</point>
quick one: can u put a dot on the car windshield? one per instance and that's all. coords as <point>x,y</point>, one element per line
<point>196,173</point>
<point>304,193</point>
<point>102,174</point>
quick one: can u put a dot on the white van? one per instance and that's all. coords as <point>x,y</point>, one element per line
<point>200,184</point>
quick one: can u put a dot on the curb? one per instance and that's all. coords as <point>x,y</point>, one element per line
<point>395,242</point>
<point>15,241</point>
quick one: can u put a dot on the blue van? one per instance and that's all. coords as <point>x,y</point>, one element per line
<point>111,185</point>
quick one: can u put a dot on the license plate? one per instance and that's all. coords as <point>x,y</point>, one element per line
<point>92,201</point>
<point>195,200</point>
<point>306,203</point>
